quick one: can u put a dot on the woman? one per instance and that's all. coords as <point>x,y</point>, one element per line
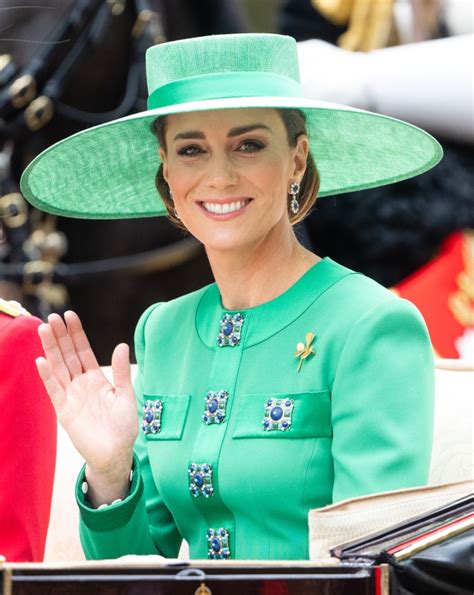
<point>291,382</point>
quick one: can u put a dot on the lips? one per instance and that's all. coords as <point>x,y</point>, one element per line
<point>220,208</point>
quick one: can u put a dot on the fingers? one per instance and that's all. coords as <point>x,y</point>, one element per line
<point>52,386</point>
<point>65,344</point>
<point>53,354</point>
<point>121,367</point>
<point>66,348</point>
<point>80,341</point>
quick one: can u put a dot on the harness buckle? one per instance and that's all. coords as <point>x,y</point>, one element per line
<point>22,91</point>
<point>149,18</point>
<point>13,210</point>
<point>5,60</point>
<point>39,113</point>
<point>35,273</point>
<point>116,7</point>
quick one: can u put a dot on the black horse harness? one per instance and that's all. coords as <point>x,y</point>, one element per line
<point>31,247</point>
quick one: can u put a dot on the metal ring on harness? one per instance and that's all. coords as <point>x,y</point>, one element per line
<point>39,113</point>
<point>13,210</point>
<point>22,91</point>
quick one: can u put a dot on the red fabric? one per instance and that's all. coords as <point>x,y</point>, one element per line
<point>430,289</point>
<point>27,443</point>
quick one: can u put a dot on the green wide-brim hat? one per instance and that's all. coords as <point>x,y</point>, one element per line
<point>108,171</point>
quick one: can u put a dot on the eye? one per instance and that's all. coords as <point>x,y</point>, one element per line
<point>190,150</point>
<point>251,146</point>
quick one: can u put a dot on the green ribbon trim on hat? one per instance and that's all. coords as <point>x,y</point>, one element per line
<point>224,85</point>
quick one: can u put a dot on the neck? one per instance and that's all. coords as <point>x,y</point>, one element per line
<point>259,273</point>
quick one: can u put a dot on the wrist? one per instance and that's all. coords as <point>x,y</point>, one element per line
<point>93,497</point>
<point>107,486</point>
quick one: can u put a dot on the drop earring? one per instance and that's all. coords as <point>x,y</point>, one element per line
<point>294,204</point>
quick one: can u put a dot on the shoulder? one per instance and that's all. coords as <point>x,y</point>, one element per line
<point>358,296</point>
<point>16,323</point>
<point>19,347</point>
<point>169,313</point>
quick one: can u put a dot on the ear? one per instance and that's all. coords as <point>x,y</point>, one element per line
<point>164,161</point>
<point>300,155</point>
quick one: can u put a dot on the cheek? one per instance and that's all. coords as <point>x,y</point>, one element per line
<point>182,179</point>
<point>270,175</point>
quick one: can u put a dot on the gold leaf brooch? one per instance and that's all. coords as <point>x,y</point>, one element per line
<point>303,351</point>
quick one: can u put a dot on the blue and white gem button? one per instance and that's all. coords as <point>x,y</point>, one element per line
<point>218,544</point>
<point>151,421</point>
<point>278,414</point>
<point>200,479</point>
<point>231,328</point>
<point>215,404</point>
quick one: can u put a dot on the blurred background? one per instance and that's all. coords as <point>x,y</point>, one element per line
<point>67,65</point>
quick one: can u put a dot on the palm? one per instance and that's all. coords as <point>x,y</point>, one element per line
<point>100,417</point>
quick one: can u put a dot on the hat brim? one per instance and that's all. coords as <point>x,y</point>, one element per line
<point>108,171</point>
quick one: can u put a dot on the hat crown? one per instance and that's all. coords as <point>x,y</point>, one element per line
<point>245,52</point>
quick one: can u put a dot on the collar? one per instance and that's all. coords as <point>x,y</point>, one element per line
<point>269,318</point>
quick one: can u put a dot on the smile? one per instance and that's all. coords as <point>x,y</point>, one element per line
<point>219,208</point>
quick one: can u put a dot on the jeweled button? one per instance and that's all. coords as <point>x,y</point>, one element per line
<point>216,545</point>
<point>230,330</point>
<point>276,413</point>
<point>227,329</point>
<point>200,480</point>
<point>212,406</point>
<point>215,407</point>
<point>151,420</point>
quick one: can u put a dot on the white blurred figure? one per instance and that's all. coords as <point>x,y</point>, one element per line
<point>428,83</point>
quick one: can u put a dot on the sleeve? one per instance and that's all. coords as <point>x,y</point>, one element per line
<point>382,403</point>
<point>141,524</point>
<point>27,444</point>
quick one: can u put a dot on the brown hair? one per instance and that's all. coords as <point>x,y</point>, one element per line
<point>295,124</point>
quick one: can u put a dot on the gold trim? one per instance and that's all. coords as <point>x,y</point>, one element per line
<point>13,309</point>
<point>7,581</point>
<point>337,12</point>
<point>370,23</point>
<point>429,540</point>
<point>203,589</point>
<point>461,302</point>
<point>384,579</point>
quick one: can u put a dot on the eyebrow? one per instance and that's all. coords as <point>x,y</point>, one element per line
<point>233,132</point>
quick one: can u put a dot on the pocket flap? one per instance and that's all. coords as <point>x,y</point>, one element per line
<point>310,415</point>
<point>173,412</point>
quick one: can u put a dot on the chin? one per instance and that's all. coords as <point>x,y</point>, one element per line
<point>226,242</point>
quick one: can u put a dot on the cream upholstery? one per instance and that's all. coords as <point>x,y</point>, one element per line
<point>451,458</point>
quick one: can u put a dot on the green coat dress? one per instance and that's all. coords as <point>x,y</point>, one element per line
<point>237,445</point>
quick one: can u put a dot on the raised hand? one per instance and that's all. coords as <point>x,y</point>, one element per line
<point>100,417</point>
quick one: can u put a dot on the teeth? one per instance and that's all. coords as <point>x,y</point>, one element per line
<point>223,209</point>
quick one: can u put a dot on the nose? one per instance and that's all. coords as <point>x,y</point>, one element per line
<point>221,172</point>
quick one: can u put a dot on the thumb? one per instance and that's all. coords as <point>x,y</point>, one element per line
<point>121,367</point>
